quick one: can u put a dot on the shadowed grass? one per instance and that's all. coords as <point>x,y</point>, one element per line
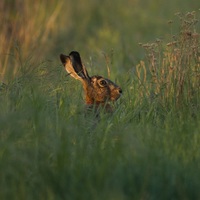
<point>147,149</point>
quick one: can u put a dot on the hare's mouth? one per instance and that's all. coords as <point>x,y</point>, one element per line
<point>116,94</point>
<point>115,98</point>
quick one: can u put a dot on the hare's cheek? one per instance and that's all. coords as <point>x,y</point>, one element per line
<point>101,95</point>
<point>104,95</point>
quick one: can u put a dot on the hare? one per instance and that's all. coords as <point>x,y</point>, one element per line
<point>99,91</point>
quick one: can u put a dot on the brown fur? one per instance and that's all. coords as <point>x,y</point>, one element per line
<point>99,91</point>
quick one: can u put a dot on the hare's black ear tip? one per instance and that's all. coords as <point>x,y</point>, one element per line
<point>75,53</point>
<point>63,58</point>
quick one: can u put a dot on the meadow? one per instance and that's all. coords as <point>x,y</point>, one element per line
<point>148,148</point>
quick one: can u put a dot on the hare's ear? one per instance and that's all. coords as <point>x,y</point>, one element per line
<point>74,66</point>
<point>68,66</point>
<point>78,65</point>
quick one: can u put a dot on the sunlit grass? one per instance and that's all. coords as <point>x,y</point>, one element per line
<point>171,73</point>
<point>26,30</point>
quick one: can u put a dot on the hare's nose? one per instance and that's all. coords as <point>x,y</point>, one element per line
<point>120,90</point>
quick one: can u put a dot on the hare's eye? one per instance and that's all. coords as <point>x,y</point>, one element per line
<point>103,82</point>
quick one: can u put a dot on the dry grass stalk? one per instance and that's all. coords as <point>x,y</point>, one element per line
<point>173,73</point>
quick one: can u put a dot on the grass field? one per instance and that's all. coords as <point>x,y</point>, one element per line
<point>148,148</point>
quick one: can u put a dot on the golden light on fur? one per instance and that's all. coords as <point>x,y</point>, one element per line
<point>98,90</point>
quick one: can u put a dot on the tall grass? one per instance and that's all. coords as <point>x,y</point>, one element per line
<point>148,148</point>
<point>26,29</point>
<point>171,73</point>
<point>41,30</point>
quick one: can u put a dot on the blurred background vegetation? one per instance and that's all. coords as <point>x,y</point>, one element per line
<point>41,30</point>
<point>149,147</point>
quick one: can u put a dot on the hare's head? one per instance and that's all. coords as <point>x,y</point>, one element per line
<point>98,90</point>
